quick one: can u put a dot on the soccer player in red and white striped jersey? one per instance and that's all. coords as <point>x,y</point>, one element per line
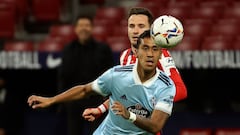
<point>139,20</point>
<point>166,64</point>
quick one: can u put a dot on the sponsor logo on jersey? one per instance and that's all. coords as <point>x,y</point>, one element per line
<point>139,110</point>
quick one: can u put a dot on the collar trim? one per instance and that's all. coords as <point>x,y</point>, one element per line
<point>147,83</point>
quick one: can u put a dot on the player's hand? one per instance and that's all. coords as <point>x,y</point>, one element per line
<point>39,102</point>
<point>90,114</point>
<point>119,109</point>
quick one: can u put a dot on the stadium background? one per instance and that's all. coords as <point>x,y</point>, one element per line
<point>33,33</point>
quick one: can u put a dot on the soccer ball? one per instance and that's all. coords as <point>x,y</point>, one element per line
<point>167,31</point>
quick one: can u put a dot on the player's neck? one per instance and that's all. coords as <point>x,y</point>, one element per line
<point>133,49</point>
<point>145,75</point>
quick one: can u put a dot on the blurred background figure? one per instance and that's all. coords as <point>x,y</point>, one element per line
<point>83,60</point>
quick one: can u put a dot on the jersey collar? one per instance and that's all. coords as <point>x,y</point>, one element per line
<point>147,83</point>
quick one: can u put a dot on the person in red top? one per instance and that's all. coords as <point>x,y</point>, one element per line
<point>139,20</point>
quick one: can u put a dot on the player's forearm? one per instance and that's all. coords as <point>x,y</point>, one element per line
<point>153,124</point>
<point>74,93</point>
<point>106,103</point>
<point>148,124</point>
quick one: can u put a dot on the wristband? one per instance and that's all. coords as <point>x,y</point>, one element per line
<point>132,117</point>
<point>102,108</point>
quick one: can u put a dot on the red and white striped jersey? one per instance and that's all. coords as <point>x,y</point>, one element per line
<point>166,64</point>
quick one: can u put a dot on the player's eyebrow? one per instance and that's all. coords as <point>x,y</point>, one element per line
<point>131,24</point>
<point>146,45</point>
<point>154,45</point>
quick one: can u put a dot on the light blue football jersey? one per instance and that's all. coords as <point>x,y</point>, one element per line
<point>122,83</point>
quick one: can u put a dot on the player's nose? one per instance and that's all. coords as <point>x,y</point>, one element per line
<point>136,30</point>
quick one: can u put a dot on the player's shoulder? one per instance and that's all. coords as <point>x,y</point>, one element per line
<point>165,52</point>
<point>164,49</point>
<point>165,79</point>
<point>126,52</point>
<point>121,68</point>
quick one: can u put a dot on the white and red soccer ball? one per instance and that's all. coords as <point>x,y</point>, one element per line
<point>167,31</point>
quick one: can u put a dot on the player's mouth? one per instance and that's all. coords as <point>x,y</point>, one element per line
<point>135,38</point>
<point>149,62</point>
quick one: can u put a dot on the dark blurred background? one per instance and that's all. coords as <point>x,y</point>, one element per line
<point>34,32</point>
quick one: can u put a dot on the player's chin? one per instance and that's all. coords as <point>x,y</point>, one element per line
<point>149,68</point>
<point>133,41</point>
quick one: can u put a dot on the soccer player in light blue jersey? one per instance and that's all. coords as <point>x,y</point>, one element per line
<point>141,96</point>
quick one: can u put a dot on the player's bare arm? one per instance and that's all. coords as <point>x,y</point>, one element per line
<point>74,93</point>
<point>154,124</point>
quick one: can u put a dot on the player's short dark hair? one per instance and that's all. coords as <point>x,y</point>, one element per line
<point>145,34</point>
<point>90,18</point>
<point>141,11</point>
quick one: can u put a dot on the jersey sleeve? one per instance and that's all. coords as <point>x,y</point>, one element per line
<point>165,99</point>
<point>181,90</point>
<point>102,84</point>
<point>166,62</point>
<point>124,56</point>
<point>168,66</point>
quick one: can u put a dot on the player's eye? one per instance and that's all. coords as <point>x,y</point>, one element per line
<point>131,25</point>
<point>141,26</point>
<point>145,48</point>
<point>155,49</point>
